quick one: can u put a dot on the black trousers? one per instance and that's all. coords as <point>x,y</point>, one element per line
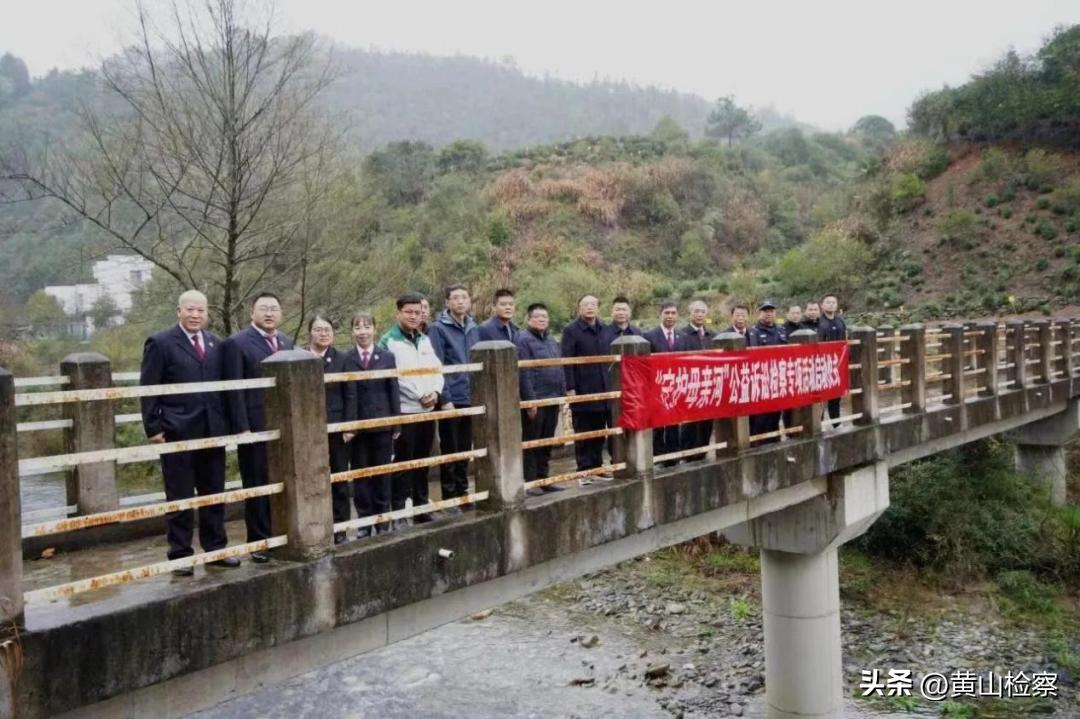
<point>455,435</point>
<point>372,494</point>
<point>253,473</point>
<point>695,434</point>
<point>834,408</point>
<point>589,453</point>
<point>201,471</point>
<point>339,462</point>
<point>414,442</point>
<point>542,426</point>
<point>763,423</point>
<point>666,440</point>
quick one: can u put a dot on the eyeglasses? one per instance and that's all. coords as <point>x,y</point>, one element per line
<point>268,308</point>
<point>321,330</point>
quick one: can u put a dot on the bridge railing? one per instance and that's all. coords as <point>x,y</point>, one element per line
<point>894,372</point>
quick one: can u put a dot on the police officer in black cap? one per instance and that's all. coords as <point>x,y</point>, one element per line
<point>766,333</point>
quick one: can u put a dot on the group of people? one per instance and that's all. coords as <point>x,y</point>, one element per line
<point>188,352</point>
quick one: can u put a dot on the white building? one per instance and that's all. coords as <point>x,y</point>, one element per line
<point>118,277</point>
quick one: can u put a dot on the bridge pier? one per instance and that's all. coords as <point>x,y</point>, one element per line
<point>800,589</point>
<point>1040,449</point>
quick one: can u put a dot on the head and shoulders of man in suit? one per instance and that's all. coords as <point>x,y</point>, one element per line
<point>266,318</point>
<point>588,315</point>
<point>698,311</point>
<point>740,319</point>
<point>622,314</point>
<point>192,320</point>
<point>666,336</point>
<point>500,325</point>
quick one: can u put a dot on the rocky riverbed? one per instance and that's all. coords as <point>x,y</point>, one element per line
<point>652,638</point>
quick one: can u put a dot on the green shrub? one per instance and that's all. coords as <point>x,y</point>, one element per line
<point>1059,251</point>
<point>995,165</point>
<point>889,297</point>
<point>1042,264</point>
<point>960,228</point>
<point>1041,167</point>
<point>991,200</point>
<point>800,272</point>
<point>933,161</point>
<point>1031,218</point>
<point>907,190</point>
<point>1009,193</point>
<point>1067,198</point>
<point>969,513</point>
<point>1072,224</point>
<point>1046,230</point>
<point>1007,212</point>
<point>1026,592</point>
<point>1042,203</point>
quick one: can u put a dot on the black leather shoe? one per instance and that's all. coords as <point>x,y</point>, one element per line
<point>260,557</point>
<point>184,572</point>
<point>339,537</point>
<point>551,488</point>
<point>227,563</point>
<point>423,518</point>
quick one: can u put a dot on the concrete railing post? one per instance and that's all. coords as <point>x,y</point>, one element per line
<point>1017,356</point>
<point>808,417</point>
<point>863,352</point>
<point>913,349</point>
<point>1044,351</point>
<point>634,448</point>
<point>300,459</point>
<point>92,487</point>
<point>952,344</point>
<point>495,387</point>
<point>988,343</point>
<point>888,351</point>
<point>1064,354</point>
<point>735,431</point>
<point>11,591</point>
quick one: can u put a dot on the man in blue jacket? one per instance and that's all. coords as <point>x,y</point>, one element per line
<point>186,352</point>
<point>501,324</point>
<point>452,335</point>
<point>534,342</point>
<point>243,354</point>
<point>584,337</point>
<point>621,325</point>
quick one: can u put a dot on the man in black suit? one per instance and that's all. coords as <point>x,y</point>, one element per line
<point>666,338</point>
<point>372,398</point>
<point>584,337</point>
<point>243,354</point>
<point>188,353</point>
<point>696,338</point>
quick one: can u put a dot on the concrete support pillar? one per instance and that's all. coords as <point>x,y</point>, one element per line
<point>952,344</point>
<point>296,407</point>
<point>735,431</point>
<point>1044,463</point>
<point>11,592</point>
<point>913,349</point>
<point>865,378</point>
<point>634,448</point>
<point>808,417</point>
<point>801,592</point>
<point>800,596</point>
<point>1040,449</point>
<point>500,473</point>
<point>1017,355</point>
<point>92,487</point>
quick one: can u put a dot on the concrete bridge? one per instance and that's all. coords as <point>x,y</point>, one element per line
<point>134,642</point>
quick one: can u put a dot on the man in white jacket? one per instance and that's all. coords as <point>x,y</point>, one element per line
<point>419,393</point>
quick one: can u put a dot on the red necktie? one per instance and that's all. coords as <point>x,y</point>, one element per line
<point>272,341</point>
<point>199,351</point>
<point>364,359</point>
<point>670,341</point>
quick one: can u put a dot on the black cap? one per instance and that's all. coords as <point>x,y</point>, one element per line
<point>766,305</point>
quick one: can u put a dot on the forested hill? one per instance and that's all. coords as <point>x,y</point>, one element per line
<point>399,96</point>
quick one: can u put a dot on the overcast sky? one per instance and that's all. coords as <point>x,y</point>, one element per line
<point>825,61</point>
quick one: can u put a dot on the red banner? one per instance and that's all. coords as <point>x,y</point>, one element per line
<point>664,389</point>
